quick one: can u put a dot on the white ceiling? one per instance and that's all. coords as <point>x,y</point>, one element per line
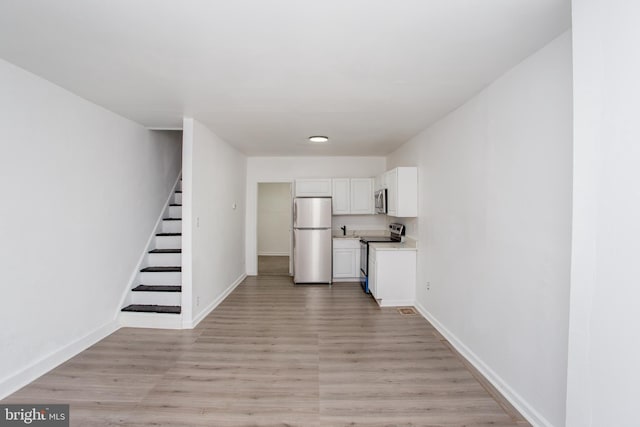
<point>266,74</point>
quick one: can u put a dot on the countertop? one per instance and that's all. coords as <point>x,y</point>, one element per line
<point>408,245</point>
<point>356,234</point>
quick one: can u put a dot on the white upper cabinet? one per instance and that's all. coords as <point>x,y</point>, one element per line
<point>402,192</point>
<point>341,196</point>
<point>362,196</point>
<point>380,182</point>
<point>318,187</point>
<point>353,196</point>
<point>391,180</point>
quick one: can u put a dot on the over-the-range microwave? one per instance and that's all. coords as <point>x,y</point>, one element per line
<point>381,201</point>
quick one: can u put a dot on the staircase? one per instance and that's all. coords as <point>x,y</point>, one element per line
<point>156,298</point>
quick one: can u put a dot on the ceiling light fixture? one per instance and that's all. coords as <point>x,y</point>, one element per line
<point>318,139</point>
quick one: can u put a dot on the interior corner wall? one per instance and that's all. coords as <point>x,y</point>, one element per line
<point>215,203</point>
<point>604,349</point>
<point>83,188</point>
<point>494,228</point>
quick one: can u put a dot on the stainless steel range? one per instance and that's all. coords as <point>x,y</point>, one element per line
<point>397,231</point>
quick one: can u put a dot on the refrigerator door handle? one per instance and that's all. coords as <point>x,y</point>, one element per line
<point>295,214</point>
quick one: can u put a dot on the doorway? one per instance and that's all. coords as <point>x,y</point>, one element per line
<point>274,229</point>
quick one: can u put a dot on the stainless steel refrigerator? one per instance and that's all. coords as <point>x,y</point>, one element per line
<point>312,240</point>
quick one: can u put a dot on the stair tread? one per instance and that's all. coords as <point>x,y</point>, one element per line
<point>172,219</point>
<point>144,308</point>
<point>166,251</point>
<point>169,234</point>
<point>158,288</point>
<point>161,269</point>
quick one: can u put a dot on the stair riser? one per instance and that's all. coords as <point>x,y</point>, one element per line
<point>177,198</point>
<point>150,320</point>
<point>163,260</point>
<point>171,226</point>
<point>179,187</point>
<point>175,211</point>
<point>156,298</point>
<point>168,242</point>
<point>171,278</point>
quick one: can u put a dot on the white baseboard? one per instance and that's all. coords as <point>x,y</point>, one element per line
<point>37,369</point>
<point>273,253</point>
<point>533,416</point>
<point>396,302</point>
<point>216,302</point>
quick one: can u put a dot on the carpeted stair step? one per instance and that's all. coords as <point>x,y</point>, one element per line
<point>161,270</point>
<point>158,288</point>
<point>145,308</point>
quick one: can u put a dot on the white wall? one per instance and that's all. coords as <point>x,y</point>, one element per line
<point>495,227</point>
<point>214,183</point>
<point>83,188</point>
<point>604,345</point>
<point>274,218</point>
<point>287,169</point>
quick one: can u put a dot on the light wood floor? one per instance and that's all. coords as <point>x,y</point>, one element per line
<point>273,265</point>
<point>276,354</point>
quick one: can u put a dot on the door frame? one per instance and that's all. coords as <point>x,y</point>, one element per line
<point>276,181</point>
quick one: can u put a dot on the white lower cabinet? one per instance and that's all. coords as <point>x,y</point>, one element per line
<point>344,263</point>
<point>346,259</point>
<point>371,269</point>
<point>392,276</point>
<point>341,203</point>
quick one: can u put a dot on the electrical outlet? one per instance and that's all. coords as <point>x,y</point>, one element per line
<point>428,286</point>
<point>198,222</point>
<point>197,301</point>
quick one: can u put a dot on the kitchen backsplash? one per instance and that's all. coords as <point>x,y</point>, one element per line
<point>359,222</point>
<point>374,222</point>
